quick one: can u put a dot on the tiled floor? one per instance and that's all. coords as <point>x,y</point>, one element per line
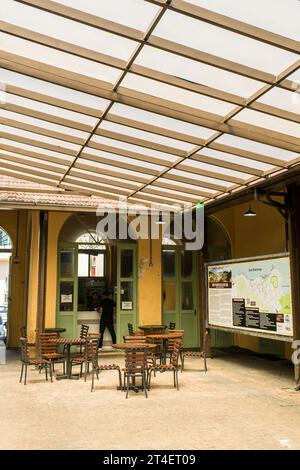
<point>243,402</point>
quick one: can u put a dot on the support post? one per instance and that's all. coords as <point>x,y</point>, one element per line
<point>42,267</point>
<point>294,250</point>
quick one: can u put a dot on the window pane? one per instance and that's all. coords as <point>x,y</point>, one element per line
<point>83,264</point>
<point>186,264</point>
<point>67,263</point>
<point>66,297</point>
<point>97,265</point>
<point>126,296</point>
<point>187,296</point>
<point>126,263</point>
<point>169,263</point>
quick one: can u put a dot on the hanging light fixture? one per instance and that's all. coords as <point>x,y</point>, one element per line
<point>249,212</point>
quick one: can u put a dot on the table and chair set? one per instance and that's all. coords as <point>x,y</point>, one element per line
<point>147,351</point>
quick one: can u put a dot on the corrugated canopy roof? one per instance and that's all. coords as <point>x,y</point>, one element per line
<point>163,101</point>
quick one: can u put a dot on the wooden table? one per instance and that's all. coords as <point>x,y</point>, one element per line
<point>68,342</point>
<point>165,337</point>
<point>152,329</point>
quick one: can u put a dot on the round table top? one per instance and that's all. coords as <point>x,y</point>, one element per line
<point>133,345</point>
<point>165,336</point>
<point>55,330</point>
<point>68,341</point>
<point>150,327</point>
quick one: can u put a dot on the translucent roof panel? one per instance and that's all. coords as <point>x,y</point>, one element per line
<point>21,167</point>
<point>157,197</point>
<point>181,185</point>
<point>148,136</point>
<point>161,121</point>
<point>40,138</point>
<point>46,125</point>
<point>196,72</point>
<point>99,166</point>
<point>283,20</point>
<point>176,94</point>
<point>269,122</point>
<point>228,157</point>
<point>256,147</point>
<point>20,147</point>
<point>52,90</point>
<point>114,159</point>
<point>176,194</point>
<point>193,164</point>
<point>48,56</point>
<point>76,171</point>
<point>101,185</point>
<point>134,13</point>
<point>223,43</point>
<point>66,30</point>
<point>134,148</point>
<point>34,162</point>
<point>197,177</point>
<point>283,99</point>
<point>53,111</point>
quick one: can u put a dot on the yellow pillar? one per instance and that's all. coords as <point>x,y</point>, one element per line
<point>55,223</point>
<point>149,283</point>
<point>33,276</point>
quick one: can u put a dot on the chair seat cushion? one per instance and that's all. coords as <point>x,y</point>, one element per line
<point>163,367</point>
<point>54,356</point>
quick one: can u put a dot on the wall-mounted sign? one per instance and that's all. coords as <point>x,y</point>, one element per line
<point>66,298</point>
<point>251,295</point>
<point>126,305</point>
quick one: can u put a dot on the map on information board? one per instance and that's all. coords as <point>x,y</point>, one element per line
<point>251,295</point>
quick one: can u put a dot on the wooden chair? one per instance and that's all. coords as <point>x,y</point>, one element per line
<point>85,356</point>
<point>48,350</point>
<point>171,342</point>
<point>136,366</point>
<point>23,331</point>
<point>92,351</point>
<point>201,354</point>
<point>172,367</point>
<point>140,339</point>
<point>26,361</point>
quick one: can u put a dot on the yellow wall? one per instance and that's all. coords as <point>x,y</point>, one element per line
<point>253,236</point>
<point>149,283</point>
<point>17,302</point>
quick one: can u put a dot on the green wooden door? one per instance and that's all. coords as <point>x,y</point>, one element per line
<point>67,289</point>
<point>180,292</point>
<point>126,288</point>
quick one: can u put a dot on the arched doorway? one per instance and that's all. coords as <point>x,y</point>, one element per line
<point>89,264</point>
<point>5,276</point>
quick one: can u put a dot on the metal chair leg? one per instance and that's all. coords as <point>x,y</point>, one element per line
<point>21,372</point>
<point>177,379</point>
<point>93,377</point>
<point>46,372</point>
<point>127,386</point>
<point>25,379</point>
<point>51,374</point>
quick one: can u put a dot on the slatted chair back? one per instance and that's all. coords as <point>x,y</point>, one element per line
<point>130,329</point>
<point>23,331</point>
<point>136,359</point>
<point>172,326</point>
<point>84,331</point>
<point>136,339</point>
<point>91,351</point>
<point>176,352</point>
<point>24,350</point>
<point>47,347</point>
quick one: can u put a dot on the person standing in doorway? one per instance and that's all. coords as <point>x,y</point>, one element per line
<point>107,311</point>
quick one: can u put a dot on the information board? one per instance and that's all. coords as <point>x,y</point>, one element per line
<point>251,295</point>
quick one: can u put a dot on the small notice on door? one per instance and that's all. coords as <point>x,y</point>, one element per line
<point>66,298</point>
<point>126,305</point>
